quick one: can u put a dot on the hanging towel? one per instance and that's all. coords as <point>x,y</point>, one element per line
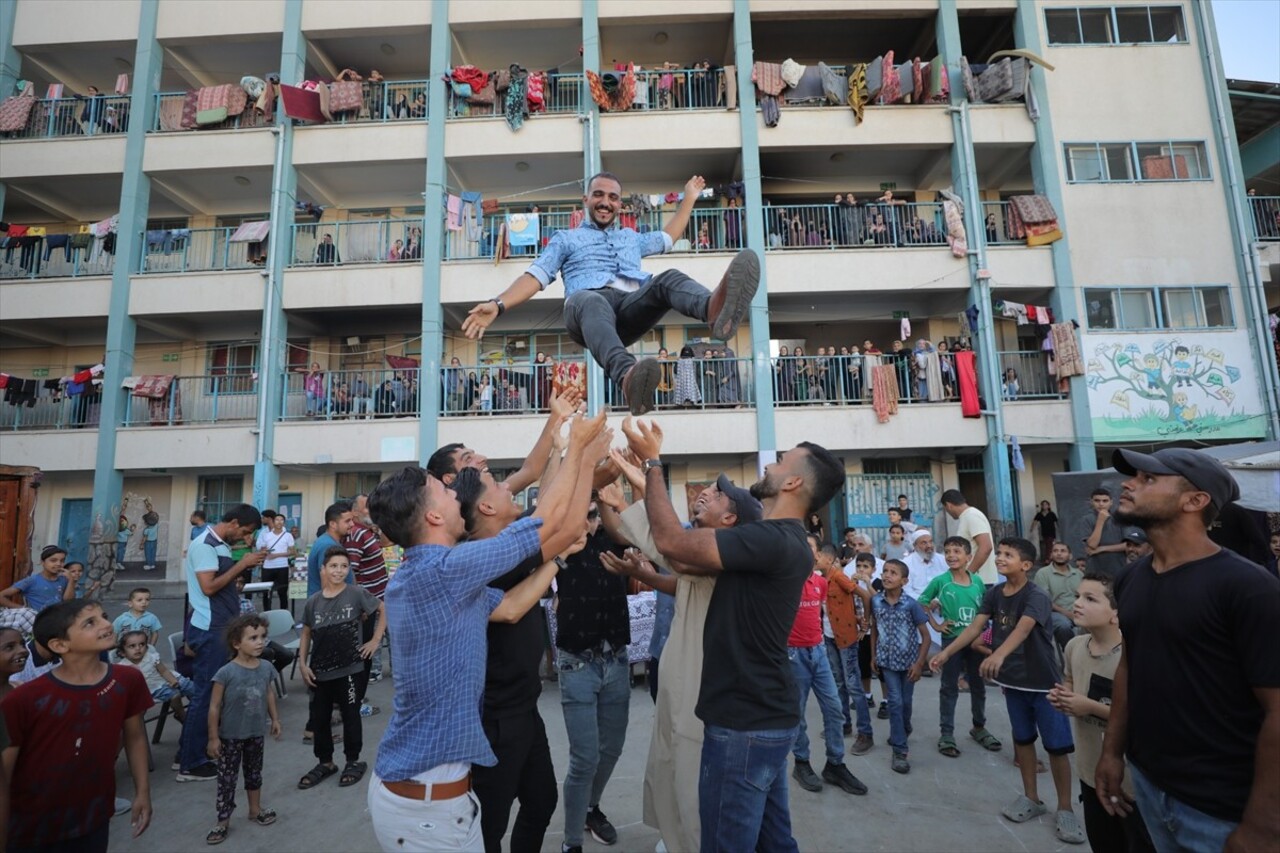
<point>1016,451</point>
<point>301,104</point>
<point>967,376</point>
<point>891,81</point>
<point>729,86</point>
<point>953,216</point>
<point>933,375</point>
<point>858,93</point>
<point>453,208</point>
<point>1067,351</point>
<point>768,78</point>
<point>904,329</point>
<point>522,230</point>
<point>152,386</point>
<point>517,104</point>
<point>884,392</point>
<point>122,84</point>
<point>791,72</point>
<point>251,232</point>
<point>613,91</point>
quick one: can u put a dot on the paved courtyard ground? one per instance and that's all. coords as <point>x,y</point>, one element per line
<point>943,804</point>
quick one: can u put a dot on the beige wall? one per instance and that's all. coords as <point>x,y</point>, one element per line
<point>46,22</point>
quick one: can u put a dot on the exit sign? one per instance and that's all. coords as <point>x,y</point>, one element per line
<point>40,371</point>
<point>902,315</point>
<point>169,356</point>
<point>889,185</point>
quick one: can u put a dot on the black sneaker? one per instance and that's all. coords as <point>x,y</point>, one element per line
<point>899,764</point>
<point>883,713</point>
<point>565,848</point>
<point>848,729</point>
<point>203,773</point>
<point>838,774</point>
<point>803,773</point>
<point>600,828</point>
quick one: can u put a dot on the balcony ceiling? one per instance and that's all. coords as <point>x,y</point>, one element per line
<point>59,332</point>
<point>651,44</point>
<point>502,176</point>
<point>667,171</point>
<point>214,191</point>
<point>408,59</point>
<point>363,184</point>
<point>62,198</point>
<point>852,38</point>
<point>78,67</point>
<point>1003,166</point>
<point>553,45</point>
<point>801,171</point>
<point>192,64</point>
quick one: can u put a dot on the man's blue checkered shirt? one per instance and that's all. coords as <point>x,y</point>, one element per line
<point>438,607</point>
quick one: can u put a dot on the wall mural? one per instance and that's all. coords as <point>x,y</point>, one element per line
<point>1167,387</point>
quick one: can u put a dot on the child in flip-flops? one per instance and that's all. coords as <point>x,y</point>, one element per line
<point>331,657</point>
<point>241,711</point>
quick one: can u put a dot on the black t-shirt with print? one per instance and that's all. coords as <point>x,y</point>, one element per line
<point>746,676</point>
<point>592,600</point>
<point>1033,665</point>
<point>1198,639</point>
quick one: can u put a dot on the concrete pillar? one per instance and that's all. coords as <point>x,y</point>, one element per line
<point>762,374</point>
<point>10,62</point>
<point>272,341</point>
<point>589,115</point>
<point>432,235</point>
<point>135,199</point>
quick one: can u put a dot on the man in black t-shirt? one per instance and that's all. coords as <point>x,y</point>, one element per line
<point>747,699</point>
<point>1196,696</point>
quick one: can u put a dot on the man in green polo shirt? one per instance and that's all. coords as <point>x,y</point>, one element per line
<point>1060,580</point>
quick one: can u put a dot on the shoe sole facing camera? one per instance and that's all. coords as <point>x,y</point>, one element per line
<point>741,281</point>
<point>641,383</point>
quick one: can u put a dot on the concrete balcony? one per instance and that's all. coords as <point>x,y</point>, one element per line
<point>185,447</point>
<point>897,127</point>
<point>327,144</point>
<point>488,136</point>
<point>100,155</point>
<point>206,19</point>
<point>69,22</point>
<point>1039,421</point>
<point>654,131</point>
<point>372,285</point>
<point>1020,266</point>
<point>244,148</point>
<point>61,450</point>
<point>856,427</point>
<point>66,298</point>
<point>324,17</point>
<point>177,293</point>
<point>357,442</point>
<point>1001,124</point>
<point>853,270</point>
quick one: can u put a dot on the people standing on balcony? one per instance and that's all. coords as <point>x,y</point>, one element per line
<point>667,381</point>
<point>384,400</point>
<point>484,394</point>
<point>326,252</point>
<point>340,405</point>
<point>455,387</point>
<point>920,365</point>
<point>396,251</point>
<point>1010,384</point>
<point>731,382</point>
<point>611,302</point>
<point>418,109</point>
<point>992,231</point>
<point>733,225</point>
<point>947,366</point>
<point>803,375</point>
<point>544,369</point>
<point>710,378</point>
<point>877,233</point>
<point>313,387</point>
<point>687,393</point>
<point>94,113</point>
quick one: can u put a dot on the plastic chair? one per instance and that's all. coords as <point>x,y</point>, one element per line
<point>166,711</point>
<point>280,623</point>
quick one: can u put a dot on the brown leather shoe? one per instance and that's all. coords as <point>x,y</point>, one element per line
<point>731,300</point>
<point>639,383</point>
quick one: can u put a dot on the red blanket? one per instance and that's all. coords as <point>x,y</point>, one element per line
<point>301,104</point>
<point>967,372</point>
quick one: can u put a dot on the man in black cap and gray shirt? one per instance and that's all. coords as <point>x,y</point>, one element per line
<point>1196,697</point>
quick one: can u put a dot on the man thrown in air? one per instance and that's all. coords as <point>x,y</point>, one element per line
<point>610,302</point>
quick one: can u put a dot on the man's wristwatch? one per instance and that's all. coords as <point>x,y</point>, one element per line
<point>560,563</point>
<point>649,464</point>
<point>502,308</point>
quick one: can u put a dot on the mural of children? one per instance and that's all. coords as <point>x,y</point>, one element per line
<point>1151,367</point>
<point>1180,411</point>
<point>123,532</point>
<point>1181,366</point>
<point>150,539</point>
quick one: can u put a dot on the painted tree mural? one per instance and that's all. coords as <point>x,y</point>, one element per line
<point>1178,379</point>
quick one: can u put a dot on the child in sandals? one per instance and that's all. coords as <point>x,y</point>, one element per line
<point>332,658</point>
<point>240,708</point>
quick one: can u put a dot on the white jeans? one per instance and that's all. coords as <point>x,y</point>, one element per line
<point>424,825</point>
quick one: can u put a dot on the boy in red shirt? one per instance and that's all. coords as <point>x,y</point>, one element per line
<point>64,735</point>
<point>812,670</point>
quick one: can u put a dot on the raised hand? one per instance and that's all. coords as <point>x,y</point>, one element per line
<point>583,430</point>
<point>645,439</point>
<point>611,495</point>
<point>606,472</point>
<point>565,403</point>
<point>479,318</point>
<point>626,464</point>
<point>695,185</point>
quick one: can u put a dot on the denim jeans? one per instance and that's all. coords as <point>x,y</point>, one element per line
<point>1173,825</point>
<point>607,320</point>
<point>149,552</point>
<point>595,694</point>
<point>853,684</point>
<point>1063,628</point>
<point>898,690</point>
<point>742,791</point>
<point>968,660</point>
<point>837,672</point>
<point>210,655</point>
<point>811,670</point>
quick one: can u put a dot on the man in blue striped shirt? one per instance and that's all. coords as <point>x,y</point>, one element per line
<point>610,302</point>
<point>438,605</point>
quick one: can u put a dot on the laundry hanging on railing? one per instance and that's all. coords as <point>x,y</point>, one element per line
<point>251,232</point>
<point>1022,314</point>
<point>1033,217</point>
<point>522,230</point>
<point>154,386</point>
<point>769,85</point>
<point>613,91</point>
<point>1066,350</point>
<point>402,362</point>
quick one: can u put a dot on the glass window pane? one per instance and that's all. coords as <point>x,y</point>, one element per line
<point>1166,24</point>
<point>1132,25</point>
<point>1100,309</point>
<point>1137,309</point>
<point>1095,26</point>
<point>1062,26</point>
<point>1188,160</point>
<point>1155,163</point>
<point>1217,306</point>
<point>1180,308</point>
<point>1084,164</point>
<point>1119,162</point>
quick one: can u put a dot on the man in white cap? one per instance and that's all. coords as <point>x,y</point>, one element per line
<point>924,564</point>
<point>1195,703</point>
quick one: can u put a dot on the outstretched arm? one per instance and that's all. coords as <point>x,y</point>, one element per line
<point>535,464</point>
<point>675,228</point>
<point>481,316</point>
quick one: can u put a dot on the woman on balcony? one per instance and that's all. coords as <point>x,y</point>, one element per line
<point>687,393</point>
<point>784,377</point>
<point>733,225</point>
<point>313,387</point>
<point>1010,384</point>
<point>947,365</point>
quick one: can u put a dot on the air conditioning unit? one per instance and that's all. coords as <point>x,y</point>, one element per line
<point>353,341</point>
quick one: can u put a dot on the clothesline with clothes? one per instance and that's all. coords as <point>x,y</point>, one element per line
<point>35,245</point>
<point>20,391</point>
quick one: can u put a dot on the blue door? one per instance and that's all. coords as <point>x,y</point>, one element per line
<point>290,506</point>
<point>73,530</point>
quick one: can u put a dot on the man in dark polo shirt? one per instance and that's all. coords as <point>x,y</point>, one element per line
<point>747,699</point>
<point>1195,703</point>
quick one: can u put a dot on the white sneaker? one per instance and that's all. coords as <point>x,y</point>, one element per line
<point>123,806</point>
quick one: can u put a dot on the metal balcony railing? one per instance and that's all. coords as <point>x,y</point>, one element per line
<point>347,394</point>
<point>1024,375</point>
<point>563,93</point>
<point>849,226</point>
<point>995,221</point>
<point>180,250</point>
<point>75,116</point>
<point>845,380</point>
<point>208,399</point>
<point>357,241</point>
<point>1265,213</point>
<point>34,258</point>
<point>53,412</point>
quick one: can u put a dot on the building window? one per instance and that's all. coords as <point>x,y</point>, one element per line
<point>348,484</point>
<point>1102,162</point>
<point>216,495</point>
<point>1115,25</point>
<point>232,368</point>
<point>1146,308</point>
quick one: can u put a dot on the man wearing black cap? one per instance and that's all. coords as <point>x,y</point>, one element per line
<point>1136,546</point>
<point>1196,696</point>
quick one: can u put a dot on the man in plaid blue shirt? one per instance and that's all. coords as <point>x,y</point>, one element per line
<point>438,606</point>
<point>610,302</point>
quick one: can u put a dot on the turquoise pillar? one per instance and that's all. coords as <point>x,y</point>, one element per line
<point>10,62</point>
<point>589,115</point>
<point>1065,300</point>
<point>762,374</point>
<point>1246,258</point>
<point>432,235</point>
<point>271,343</point>
<point>135,199</point>
<point>997,471</point>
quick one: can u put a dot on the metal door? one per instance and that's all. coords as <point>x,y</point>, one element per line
<point>869,496</point>
<point>73,530</point>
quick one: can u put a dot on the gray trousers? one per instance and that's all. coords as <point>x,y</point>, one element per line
<point>606,320</point>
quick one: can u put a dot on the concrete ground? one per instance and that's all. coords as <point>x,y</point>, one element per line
<point>943,804</point>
